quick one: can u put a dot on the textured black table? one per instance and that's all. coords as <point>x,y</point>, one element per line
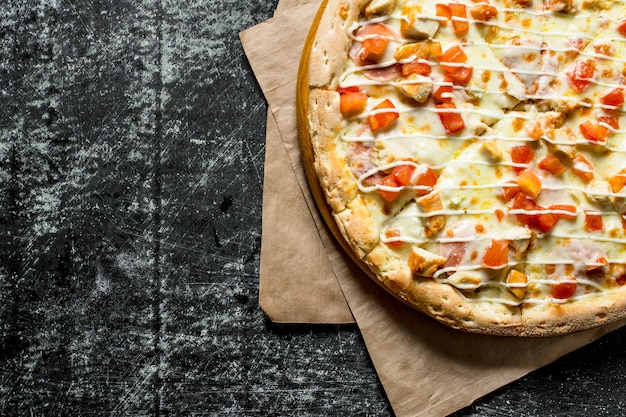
<point>131,169</point>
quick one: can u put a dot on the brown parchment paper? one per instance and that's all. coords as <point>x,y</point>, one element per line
<point>296,282</point>
<point>425,368</point>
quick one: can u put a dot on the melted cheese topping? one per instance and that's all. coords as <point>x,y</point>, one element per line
<point>539,78</point>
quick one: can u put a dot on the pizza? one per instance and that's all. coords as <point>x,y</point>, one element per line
<point>472,155</point>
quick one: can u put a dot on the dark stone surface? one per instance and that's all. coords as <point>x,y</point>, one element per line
<point>131,168</point>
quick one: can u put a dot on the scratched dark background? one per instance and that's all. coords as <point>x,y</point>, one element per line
<point>131,169</point>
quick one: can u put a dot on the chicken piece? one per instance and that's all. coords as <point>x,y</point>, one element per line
<point>424,263</point>
<point>431,203</point>
<point>414,26</point>
<point>467,279</point>
<point>518,248</point>
<point>596,4</point>
<point>557,104</point>
<point>544,123</point>
<point>379,8</point>
<point>517,282</point>
<point>416,87</point>
<point>561,6</point>
<point>491,150</point>
<point>418,50</point>
<point>599,191</point>
<point>562,149</point>
<point>619,204</point>
<point>520,3</point>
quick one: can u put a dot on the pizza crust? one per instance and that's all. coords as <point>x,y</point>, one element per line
<point>557,319</point>
<point>330,46</point>
<point>363,218</point>
<point>330,163</point>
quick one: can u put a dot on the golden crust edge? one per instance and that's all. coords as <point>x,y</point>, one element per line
<point>330,44</point>
<point>331,167</point>
<point>555,319</point>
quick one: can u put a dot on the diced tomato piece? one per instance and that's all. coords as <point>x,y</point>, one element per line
<point>393,233</point>
<point>443,10</point>
<point>509,192</point>
<point>613,98</point>
<point>455,55</point>
<point>520,202</point>
<point>593,222</point>
<point>484,12</point>
<point>377,38</point>
<point>427,178</point>
<point>499,214</point>
<point>443,94</point>
<point>458,10</point>
<point>581,73</point>
<point>546,221</point>
<point>389,181</point>
<point>416,67</point>
<point>456,73</point>
<point>374,48</point>
<point>621,27</point>
<point>552,164</point>
<point>522,154</point>
<point>612,121</point>
<point>564,207</point>
<point>618,181</point>
<point>582,168</point>
<point>529,183</point>
<point>564,290</point>
<point>349,89</point>
<point>593,131</point>
<point>461,75</point>
<point>381,120</point>
<point>452,121</point>
<point>351,102</point>
<point>403,174</point>
<point>497,254</point>
<point>410,175</point>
